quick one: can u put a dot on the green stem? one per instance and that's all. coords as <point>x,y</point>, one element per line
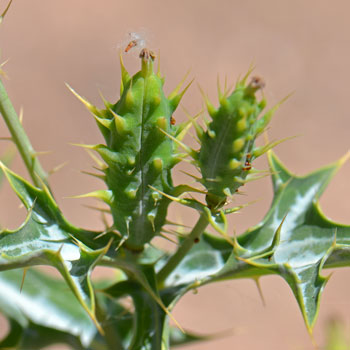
<point>111,337</point>
<point>183,249</point>
<point>21,139</point>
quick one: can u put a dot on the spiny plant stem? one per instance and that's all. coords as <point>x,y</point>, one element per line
<point>21,140</point>
<point>183,249</point>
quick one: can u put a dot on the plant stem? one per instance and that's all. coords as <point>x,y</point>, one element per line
<point>21,140</point>
<point>183,249</point>
<point>110,335</point>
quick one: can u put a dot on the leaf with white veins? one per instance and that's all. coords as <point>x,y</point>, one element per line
<point>46,238</point>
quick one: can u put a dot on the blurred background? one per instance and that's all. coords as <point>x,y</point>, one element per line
<point>297,46</point>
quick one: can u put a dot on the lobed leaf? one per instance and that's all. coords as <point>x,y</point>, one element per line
<point>295,240</point>
<point>307,238</point>
<point>46,238</point>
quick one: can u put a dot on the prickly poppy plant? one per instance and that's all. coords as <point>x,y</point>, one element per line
<point>138,154</point>
<point>227,147</point>
<point>142,145</point>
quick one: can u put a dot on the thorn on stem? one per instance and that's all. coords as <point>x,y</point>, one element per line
<point>2,16</point>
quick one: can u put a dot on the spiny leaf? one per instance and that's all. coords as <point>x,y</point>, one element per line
<point>46,238</point>
<point>45,309</point>
<point>307,238</point>
<point>295,240</point>
<point>227,146</point>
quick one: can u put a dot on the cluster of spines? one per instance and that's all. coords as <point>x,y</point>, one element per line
<point>227,145</point>
<point>138,153</point>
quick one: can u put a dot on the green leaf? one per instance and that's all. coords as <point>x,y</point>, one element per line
<point>44,312</point>
<point>35,337</point>
<point>205,259</point>
<point>307,238</point>
<point>45,238</point>
<point>295,240</point>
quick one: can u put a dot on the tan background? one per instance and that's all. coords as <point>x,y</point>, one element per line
<point>301,46</point>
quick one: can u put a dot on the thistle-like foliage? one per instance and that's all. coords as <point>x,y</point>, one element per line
<point>227,146</point>
<point>138,154</point>
<point>295,240</point>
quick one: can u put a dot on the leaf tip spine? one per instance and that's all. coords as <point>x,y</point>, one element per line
<point>87,104</point>
<point>210,107</point>
<point>174,101</point>
<point>178,87</point>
